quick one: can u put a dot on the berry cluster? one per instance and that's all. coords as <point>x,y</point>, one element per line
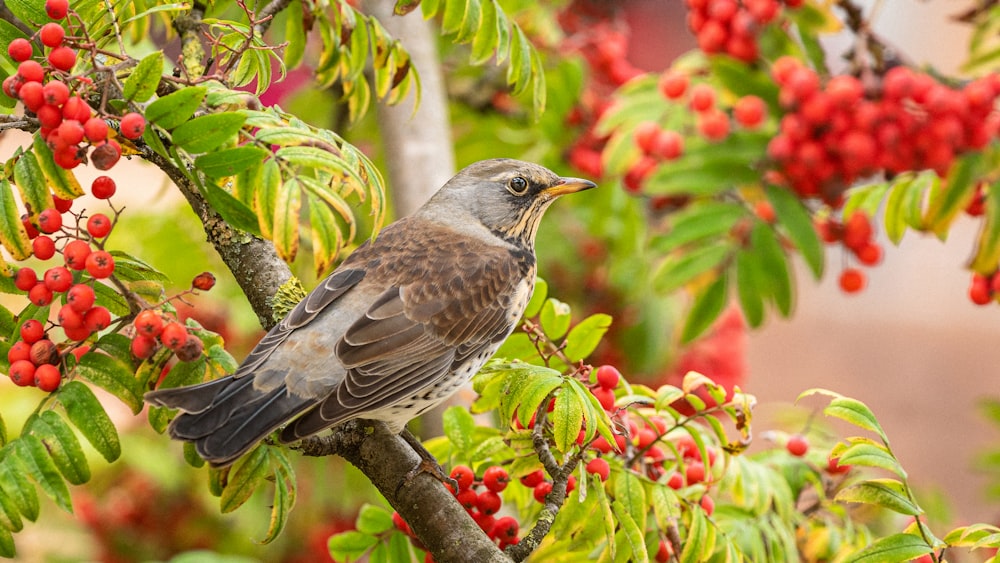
<point>482,505</point>
<point>834,134</point>
<point>732,26</point>
<point>856,234</point>
<point>56,98</point>
<point>984,289</point>
<point>155,327</point>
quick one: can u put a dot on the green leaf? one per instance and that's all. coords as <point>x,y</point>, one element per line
<point>683,268</point>
<point>327,240</point>
<point>697,222</point>
<point>248,474</point>
<point>12,233</point>
<point>7,544</point>
<point>459,426</point>
<point>485,40</point>
<point>31,453</point>
<point>295,35</point>
<point>373,520</point>
<point>288,205</point>
<point>208,132</point>
<point>585,336</point>
<point>63,182</point>
<point>10,516</point>
<point>230,162</point>
<point>897,547</point>
<point>14,485</point>
<point>777,285</point>
<point>888,493</point>
<point>748,286</point>
<point>88,415</point>
<point>959,189</point>
<point>988,245</point>
<point>519,70</point>
<point>284,494</point>
<point>28,11</point>
<point>630,493</point>
<point>538,297</point>
<point>869,454</point>
<point>632,532</point>
<point>142,83</point>
<point>795,218</point>
<point>234,211</point>
<point>856,413</point>
<point>707,307</point>
<point>62,445</point>
<point>114,376</point>
<point>349,546</point>
<point>175,108</point>
<point>567,419</point>
<point>31,184</point>
<point>555,318</point>
<point>266,197</point>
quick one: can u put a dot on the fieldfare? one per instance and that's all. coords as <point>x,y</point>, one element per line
<point>399,326</point>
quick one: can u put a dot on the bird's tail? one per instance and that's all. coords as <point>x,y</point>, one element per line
<point>225,417</point>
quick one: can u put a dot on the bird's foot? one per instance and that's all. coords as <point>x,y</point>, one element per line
<point>428,464</point>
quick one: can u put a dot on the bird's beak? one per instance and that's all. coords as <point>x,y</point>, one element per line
<point>568,186</point>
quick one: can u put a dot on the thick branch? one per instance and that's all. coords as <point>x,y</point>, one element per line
<point>253,260</point>
<point>431,511</point>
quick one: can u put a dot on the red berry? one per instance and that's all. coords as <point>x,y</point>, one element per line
<point>22,373</point>
<point>32,331</point>
<point>77,334</point>
<point>604,396</point>
<point>133,125</point>
<point>149,323</point>
<point>69,318</point>
<point>542,490</point>
<point>467,498</point>
<point>80,297</point>
<point>599,466</point>
<point>462,474</point>
<point>608,376</point>
<point>852,280</point>
<point>797,445</point>
<point>665,551</point>
<point>857,230</point>
<point>40,295</point>
<point>68,158</point>
<point>645,135</point>
<point>702,97</point>
<point>48,377</point>
<point>20,350</point>
<point>485,522</point>
<point>58,279</point>
<point>488,502</point>
<point>49,221</point>
<point>62,205</point>
<point>708,505</point>
<point>834,467</point>
<point>70,131</point>
<point>400,524</point>
<point>143,346</point>
<point>191,349</point>
<point>106,155</point>
<point>869,254</point>
<point>495,478</point>
<point>750,111</point>
<point>32,95</point>
<point>637,174</point>
<point>56,93</point>
<point>676,481</point>
<point>20,50</point>
<point>79,351</point>
<point>75,254</point>
<point>505,529</point>
<point>980,290</point>
<point>56,9</point>
<point>96,131</point>
<point>713,125</point>
<point>533,479</point>
<point>100,264</point>
<point>103,187</point>
<point>668,145</point>
<point>25,279</point>
<point>43,247</point>
<point>673,84</point>
<point>99,318</point>
<point>30,71</point>
<point>694,472</point>
<point>203,281</point>
<point>62,58</point>
<point>51,34</point>
<point>99,225</point>
<point>44,352</point>
<point>174,335</point>
<point>76,108</point>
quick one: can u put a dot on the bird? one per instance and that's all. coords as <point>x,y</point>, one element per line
<point>400,325</point>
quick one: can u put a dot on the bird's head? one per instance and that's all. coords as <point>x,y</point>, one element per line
<point>506,196</point>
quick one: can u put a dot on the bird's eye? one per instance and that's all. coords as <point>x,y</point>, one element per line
<point>517,185</point>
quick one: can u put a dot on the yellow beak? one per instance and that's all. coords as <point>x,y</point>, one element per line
<point>568,186</point>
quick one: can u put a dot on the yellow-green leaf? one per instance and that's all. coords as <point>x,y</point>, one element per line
<point>208,132</point>
<point>63,182</point>
<point>887,493</point>
<point>288,205</point>
<point>12,233</point>
<point>31,184</point>
<point>86,413</point>
<point>175,108</point>
<point>31,453</point>
<point>585,336</point>
<point>248,474</point>
<point>141,84</point>
<point>988,246</point>
<point>62,445</point>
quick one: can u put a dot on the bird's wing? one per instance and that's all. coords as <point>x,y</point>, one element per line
<point>419,330</point>
<point>318,299</point>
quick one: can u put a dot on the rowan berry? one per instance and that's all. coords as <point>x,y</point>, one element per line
<point>400,524</point>
<point>542,490</point>
<point>20,350</point>
<point>57,9</point>
<point>673,84</point>
<point>106,155</point>
<point>67,317</point>
<point>98,225</point>
<point>43,247</point>
<point>20,50</point>
<point>56,93</point>
<point>22,373</point>
<point>70,131</point>
<point>100,264</point>
<point>44,352</point>
<point>694,472</point>
<point>852,280</point>
<point>462,474</point>
<point>96,130</point>
<point>191,349</point>
<point>32,331</point>
<point>707,504</point>
<point>750,111</point>
<point>668,145</point>
<point>81,298</point>
<point>75,254</point>
<point>713,125</point>
<point>40,294</point>
<point>62,205</point>
<point>149,323</point>
<point>797,445</point>
<point>664,552</point>
<point>99,318</point>
<point>25,279</point>
<point>76,108</point>
<point>488,502</point>
<point>702,97</point>
<point>599,466</point>
<point>606,397</point>
<point>645,135</point>
<point>30,71</point>
<point>132,125</point>
<point>495,478</point>
<point>142,346</point>
<point>51,34</point>
<point>49,221</point>
<point>48,377</point>
<point>505,529</point>
<point>103,187</point>
<point>58,279</point>
<point>608,376</point>
<point>980,291</point>
<point>62,58</point>
<point>467,498</point>
<point>533,479</point>
<point>203,281</point>
<point>675,481</point>
<point>32,96</point>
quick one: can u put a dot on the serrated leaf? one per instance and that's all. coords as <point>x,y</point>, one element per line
<point>707,307</point>
<point>856,413</point>
<point>234,211</point>
<point>373,520</point>
<point>887,493</point>
<point>31,453</point>
<point>869,454</point>
<point>632,532</point>
<point>142,83</point>
<point>248,474</point>
<point>680,270</point>
<point>485,40</point>
<point>88,415</point>
<point>114,376</point>
<point>15,485</point>
<point>288,205</point>
<point>208,132</point>
<point>175,108</point>
<point>794,217</point>
<point>230,162</point>
<point>630,492</point>
<point>519,70</point>
<point>31,184</point>
<point>585,336</point>
<point>567,419</point>
<point>266,197</point>
<point>62,446</point>
<point>897,547</point>
<point>130,268</point>
<point>458,426</point>
<point>63,182</point>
